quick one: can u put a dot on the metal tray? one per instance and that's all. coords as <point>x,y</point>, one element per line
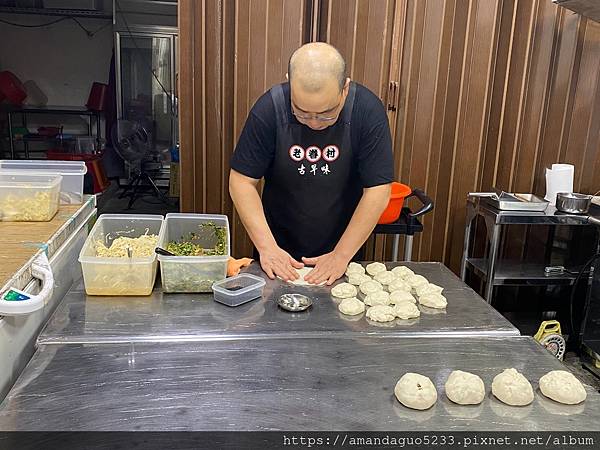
<point>515,202</point>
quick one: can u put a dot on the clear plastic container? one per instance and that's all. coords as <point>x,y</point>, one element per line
<point>28,197</point>
<point>119,275</point>
<point>73,172</point>
<point>238,290</point>
<point>192,273</point>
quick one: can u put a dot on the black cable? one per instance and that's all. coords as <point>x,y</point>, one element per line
<point>88,32</point>
<point>582,272</point>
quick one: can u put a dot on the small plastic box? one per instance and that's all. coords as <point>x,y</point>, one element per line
<point>73,172</point>
<point>238,290</point>
<point>113,275</point>
<point>192,273</point>
<point>27,197</point>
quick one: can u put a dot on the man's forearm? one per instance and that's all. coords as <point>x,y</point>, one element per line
<point>249,207</point>
<point>372,204</point>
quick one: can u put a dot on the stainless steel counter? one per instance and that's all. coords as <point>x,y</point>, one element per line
<point>194,317</point>
<point>301,384</point>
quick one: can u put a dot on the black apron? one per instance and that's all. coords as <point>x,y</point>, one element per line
<point>312,186</point>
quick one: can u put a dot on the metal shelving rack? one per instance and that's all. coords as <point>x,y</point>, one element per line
<point>497,272</point>
<point>83,13</point>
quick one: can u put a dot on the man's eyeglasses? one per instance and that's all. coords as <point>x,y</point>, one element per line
<point>317,117</point>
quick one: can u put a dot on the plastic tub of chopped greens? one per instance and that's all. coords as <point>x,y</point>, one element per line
<point>118,257</point>
<point>201,245</point>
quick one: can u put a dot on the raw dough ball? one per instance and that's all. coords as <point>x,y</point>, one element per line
<point>375,268</point>
<point>377,298</point>
<point>384,278</point>
<point>302,273</point>
<point>354,268</point>
<point>406,310</point>
<point>415,391</point>
<point>512,388</point>
<point>381,313</point>
<point>344,290</point>
<point>358,278</point>
<point>563,387</point>
<point>351,306</point>
<point>433,300</point>
<point>399,285</point>
<point>402,272</point>
<point>370,286</point>
<point>416,280</point>
<point>428,288</point>
<point>465,388</point>
<point>401,296</point>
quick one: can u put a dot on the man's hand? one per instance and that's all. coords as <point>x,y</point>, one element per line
<point>328,267</point>
<point>277,262</point>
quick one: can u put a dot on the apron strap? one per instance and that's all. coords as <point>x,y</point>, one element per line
<point>279,103</point>
<point>349,105</point>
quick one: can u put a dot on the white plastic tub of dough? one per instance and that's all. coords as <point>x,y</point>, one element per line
<point>193,273</point>
<point>238,290</point>
<point>119,275</point>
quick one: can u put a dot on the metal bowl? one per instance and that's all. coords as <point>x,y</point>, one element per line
<point>294,302</point>
<point>572,203</point>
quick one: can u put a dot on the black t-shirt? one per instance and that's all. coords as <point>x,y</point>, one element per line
<point>371,165</point>
<point>371,139</point>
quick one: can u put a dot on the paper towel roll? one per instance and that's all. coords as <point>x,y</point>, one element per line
<point>559,179</point>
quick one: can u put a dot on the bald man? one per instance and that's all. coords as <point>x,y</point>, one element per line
<point>322,144</point>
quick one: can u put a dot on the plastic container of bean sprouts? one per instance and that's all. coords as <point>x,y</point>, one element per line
<point>122,272</point>
<point>29,197</point>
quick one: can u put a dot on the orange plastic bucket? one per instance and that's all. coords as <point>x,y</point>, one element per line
<point>392,211</point>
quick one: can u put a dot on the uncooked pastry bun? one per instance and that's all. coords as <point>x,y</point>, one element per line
<point>406,310</point>
<point>402,272</point>
<point>370,286</point>
<point>433,300</point>
<point>399,285</point>
<point>512,388</point>
<point>377,298</point>
<point>354,268</point>
<point>401,296</point>
<point>562,386</point>
<point>375,268</point>
<point>358,278</point>
<point>384,278</point>
<point>465,388</point>
<point>381,313</point>
<point>351,306</point>
<point>416,280</point>
<point>344,290</point>
<point>415,391</point>
<point>428,288</point>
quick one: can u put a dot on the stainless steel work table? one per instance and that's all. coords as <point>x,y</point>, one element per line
<point>194,317</point>
<point>273,384</point>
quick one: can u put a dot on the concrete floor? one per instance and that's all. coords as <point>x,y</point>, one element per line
<point>146,203</point>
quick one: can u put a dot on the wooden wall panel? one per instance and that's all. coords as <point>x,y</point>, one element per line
<point>362,31</point>
<point>231,53</point>
<point>491,93</point>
